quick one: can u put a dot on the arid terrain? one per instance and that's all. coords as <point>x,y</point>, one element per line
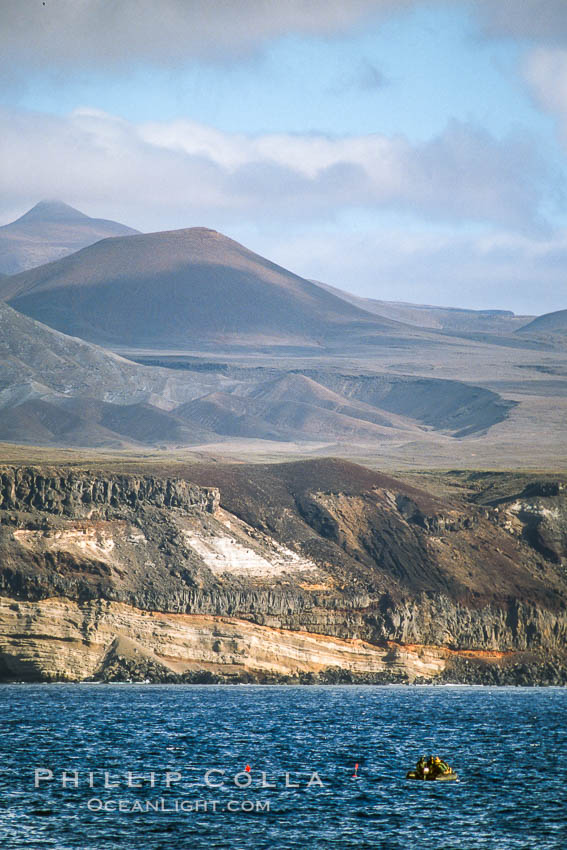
<point>221,351</point>
<point>48,231</point>
<point>178,501</point>
<point>308,571</point>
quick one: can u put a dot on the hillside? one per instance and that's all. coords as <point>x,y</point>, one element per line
<point>549,323</point>
<point>48,231</point>
<point>367,409</point>
<point>451,319</point>
<point>264,363</point>
<point>35,356</point>
<point>312,571</point>
<point>186,289</point>
<point>58,390</point>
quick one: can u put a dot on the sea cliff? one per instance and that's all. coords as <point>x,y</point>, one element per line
<point>301,572</point>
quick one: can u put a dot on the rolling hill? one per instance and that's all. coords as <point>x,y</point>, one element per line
<point>186,289</point>
<point>452,319</point>
<point>261,355</point>
<point>549,323</point>
<point>57,390</point>
<point>345,409</point>
<point>48,231</point>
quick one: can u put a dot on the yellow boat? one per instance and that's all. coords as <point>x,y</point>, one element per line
<point>441,777</point>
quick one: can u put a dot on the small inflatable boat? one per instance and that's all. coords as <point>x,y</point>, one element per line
<point>442,777</point>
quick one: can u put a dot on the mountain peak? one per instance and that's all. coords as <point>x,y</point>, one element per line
<point>52,210</point>
<point>51,230</point>
<point>164,289</point>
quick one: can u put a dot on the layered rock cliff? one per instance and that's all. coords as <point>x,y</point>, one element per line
<point>313,571</point>
<point>80,495</point>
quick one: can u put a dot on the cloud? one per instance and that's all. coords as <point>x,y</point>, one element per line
<point>463,174</point>
<point>81,34</point>
<point>534,20</point>
<point>106,33</point>
<point>546,73</point>
<point>187,169</point>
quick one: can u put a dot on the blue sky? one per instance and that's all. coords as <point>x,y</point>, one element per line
<point>402,150</point>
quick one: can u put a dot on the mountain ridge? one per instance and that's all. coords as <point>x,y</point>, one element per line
<point>165,288</point>
<point>435,317</point>
<point>547,323</point>
<point>48,231</point>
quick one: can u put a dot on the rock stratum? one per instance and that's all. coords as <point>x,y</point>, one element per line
<point>316,571</point>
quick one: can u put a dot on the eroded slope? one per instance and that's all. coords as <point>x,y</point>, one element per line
<point>319,568</point>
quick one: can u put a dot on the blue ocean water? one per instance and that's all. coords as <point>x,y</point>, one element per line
<point>509,746</point>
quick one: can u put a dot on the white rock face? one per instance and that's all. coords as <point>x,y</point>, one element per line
<point>84,541</point>
<point>243,551</point>
<point>228,555</point>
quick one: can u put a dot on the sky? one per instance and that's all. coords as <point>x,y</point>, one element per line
<point>399,149</point>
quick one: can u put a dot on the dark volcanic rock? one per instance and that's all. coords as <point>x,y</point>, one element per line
<point>77,494</point>
<point>321,547</point>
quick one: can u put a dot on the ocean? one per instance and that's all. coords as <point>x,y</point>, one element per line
<point>275,768</point>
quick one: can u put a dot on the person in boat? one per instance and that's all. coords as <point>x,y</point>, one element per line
<point>437,767</point>
<point>421,769</point>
